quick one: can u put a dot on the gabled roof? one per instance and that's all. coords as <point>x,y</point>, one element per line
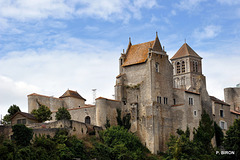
<point>185,51</point>
<point>216,100</point>
<point>138,53</point>
<point>70,93</point>
<point>235,112</point>
<point>27,115</point>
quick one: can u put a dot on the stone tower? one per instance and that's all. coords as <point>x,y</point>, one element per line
<point>187,74</point>
<point>187,67</point>
<point>145,89</point>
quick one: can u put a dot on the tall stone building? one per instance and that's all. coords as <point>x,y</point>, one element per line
<point>161,95</point>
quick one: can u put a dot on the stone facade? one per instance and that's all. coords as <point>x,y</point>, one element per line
<point>161,95</point>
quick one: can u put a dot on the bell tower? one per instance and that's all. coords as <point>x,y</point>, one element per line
<point>187,69</point>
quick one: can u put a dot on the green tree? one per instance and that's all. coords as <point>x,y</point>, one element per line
<point>11,111</point>
<point>22,135</point>
<point>118,143</point>
<point>62,113</point>
<point>42,114</point>
<point>125,121</point>
<point>218,135</point>
<point>232,140</point>
<point>204,134</point>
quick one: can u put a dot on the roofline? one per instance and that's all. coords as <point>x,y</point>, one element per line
<point>185,56</point>
<point>22,115</point>
<point>108,99</point>
<point>35,94</point>
<point>134,63</point>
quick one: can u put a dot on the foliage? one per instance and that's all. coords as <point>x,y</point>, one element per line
<point>125,121</point>
<point>232,140</point>
<point>118,143</point>
<point>181,147</point>
<point>107,125</point>
<point>218,135</point>
<point>42,114</point>
<point>62,113</point>
<point>204,134</point>
<point>22,135</point>
<point>11,111</point>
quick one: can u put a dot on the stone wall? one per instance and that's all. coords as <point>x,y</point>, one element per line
<point>79,114</point>
<point>232,97</point>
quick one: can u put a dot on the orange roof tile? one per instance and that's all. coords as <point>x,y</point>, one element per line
<point>184,51</point>
<point>70,93</point>
<point>138,53</point>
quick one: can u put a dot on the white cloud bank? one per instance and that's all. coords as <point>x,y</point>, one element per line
<point>210,31</point>
<point>65,9</point>
<point>52,72</point>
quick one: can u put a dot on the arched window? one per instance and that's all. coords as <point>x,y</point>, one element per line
<point>183,67</point>
<point>87,120</point>
<point>178,67</point>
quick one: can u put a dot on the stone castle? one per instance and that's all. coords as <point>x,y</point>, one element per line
<point>161,95</point>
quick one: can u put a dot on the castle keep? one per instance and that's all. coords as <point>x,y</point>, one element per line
<point>161,95</point>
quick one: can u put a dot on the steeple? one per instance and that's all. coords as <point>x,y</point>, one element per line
<point>185,51</point>
<point>157,45</point>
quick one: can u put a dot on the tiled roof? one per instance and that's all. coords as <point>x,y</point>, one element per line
<point>184,51</point>
<point>216,100</point>
<point>70,93</point>
<point>138,53</point>
<point>27,115</point>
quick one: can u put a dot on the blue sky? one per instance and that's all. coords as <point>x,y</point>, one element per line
<point>48,46</point>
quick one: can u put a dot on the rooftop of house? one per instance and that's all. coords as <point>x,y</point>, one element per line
<point>27,115</point>
<point>70,93</point>
<point>184,51</point>
<point>216,100</point>
<point>138,53</point>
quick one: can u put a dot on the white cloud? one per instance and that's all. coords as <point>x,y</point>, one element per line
<point>60,9</point>
<point>52,72</point>
<point>207,32</point>
<point>14,92</point>
<point>189,4</point>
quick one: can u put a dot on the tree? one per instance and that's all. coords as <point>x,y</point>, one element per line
<point>218,135</point>
<point>11,111</point>
<point>42,114</point>
<point>21,134</point>
<point>204,134</point>
<point>181,147</point>
<point>62,113</point>
<point>125,121</point>
<point>232,140</point>
<point>118,143</point>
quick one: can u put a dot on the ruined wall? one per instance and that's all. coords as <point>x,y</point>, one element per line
<point>51,102</point>
<point>75,128</point>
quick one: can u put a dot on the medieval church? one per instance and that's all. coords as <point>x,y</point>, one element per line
<point>161,95</point>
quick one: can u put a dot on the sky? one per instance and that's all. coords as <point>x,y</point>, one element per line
<point>49,46</point>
